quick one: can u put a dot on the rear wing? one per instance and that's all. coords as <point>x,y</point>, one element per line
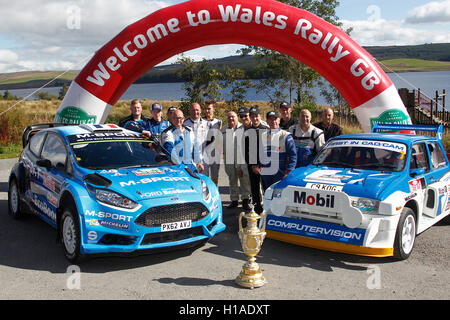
<point>384,127</point>
<point>35,128</point>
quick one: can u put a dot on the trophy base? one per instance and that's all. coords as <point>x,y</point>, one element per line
<point>250,277</point>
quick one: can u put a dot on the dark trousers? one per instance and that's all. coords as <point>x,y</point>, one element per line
<point>255,185</point>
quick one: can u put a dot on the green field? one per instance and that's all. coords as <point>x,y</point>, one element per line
<point>411,65</point>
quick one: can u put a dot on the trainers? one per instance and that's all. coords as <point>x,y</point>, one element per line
<point>246,205</point>
<point>233,205</point>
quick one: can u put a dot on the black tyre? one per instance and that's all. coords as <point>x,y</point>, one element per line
<point>70,234</point>
<point>406,234</point>
<point>14,202</point>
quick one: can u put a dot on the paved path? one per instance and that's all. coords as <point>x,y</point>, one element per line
<point>32,266</point>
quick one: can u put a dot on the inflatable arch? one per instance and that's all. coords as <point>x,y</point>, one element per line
<point>265,23</point>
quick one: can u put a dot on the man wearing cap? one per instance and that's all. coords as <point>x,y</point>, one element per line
<point>238,176</point>
<point>213,142</point>
<point>181,143</point>
<point>170,113</point>
<point>157,124</point>
<point>329,128</point>
<point>308,139</point>
<point>287,120</point>
<point>251,147</point>
<point>199,127</point>
<point>136,121</point>
<point>280,156</point>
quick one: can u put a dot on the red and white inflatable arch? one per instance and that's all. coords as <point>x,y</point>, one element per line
<point>265,23</point>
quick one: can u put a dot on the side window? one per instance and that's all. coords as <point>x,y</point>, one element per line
<point>36,143</point>
<point>54,151</point>
<point>419,157</point>
<point>437,158</point>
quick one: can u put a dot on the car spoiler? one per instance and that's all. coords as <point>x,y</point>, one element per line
<point>35,128</point>
<point>384,127</point>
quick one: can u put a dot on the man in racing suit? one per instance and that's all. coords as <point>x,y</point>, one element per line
<point>181,143</point>
<point>136,121</point>
<point>280,156</point>
<point>308,139</point>
<point>157,124</point>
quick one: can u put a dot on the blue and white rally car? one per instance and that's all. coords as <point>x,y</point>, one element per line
<point>365,194</point>
<point>106,189</point>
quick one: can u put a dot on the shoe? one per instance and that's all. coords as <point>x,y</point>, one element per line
<point>246,205</point>
<point>233,205</point>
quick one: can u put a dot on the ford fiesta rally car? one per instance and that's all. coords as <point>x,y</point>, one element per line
<point>106,189</point>
<point>366,194</point>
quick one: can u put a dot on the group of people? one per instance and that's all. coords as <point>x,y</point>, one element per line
<point>256,153</point>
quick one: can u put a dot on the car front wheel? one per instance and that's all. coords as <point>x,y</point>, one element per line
<point>406,235</point>
<point>70,234</point>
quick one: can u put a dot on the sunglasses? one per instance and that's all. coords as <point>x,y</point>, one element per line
<point>243,116</point>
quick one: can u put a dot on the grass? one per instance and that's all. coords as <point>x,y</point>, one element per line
<point>410,65</point>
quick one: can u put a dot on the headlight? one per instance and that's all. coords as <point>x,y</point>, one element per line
<point>205,192</point>
<point>365,205</point>
<point>112,198</point>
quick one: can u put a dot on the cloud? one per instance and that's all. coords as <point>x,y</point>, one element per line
<point>385,33</point>
<point>8,56</point>
<point>432,12</point>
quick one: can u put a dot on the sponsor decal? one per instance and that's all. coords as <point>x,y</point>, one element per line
<point>390,146</point>
<point>315,229</point>
<point>317,200</point>
<point>74,115</point>
<point>107,215</point>
<point>92,236</point>
<point>44,208</point>
<point>393,116</point>
<point>415,185</point>
<point>147,171</point>
<point>154,179</point>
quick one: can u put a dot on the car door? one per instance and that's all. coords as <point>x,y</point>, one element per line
<point>436,193</point>
<point>52,173</point>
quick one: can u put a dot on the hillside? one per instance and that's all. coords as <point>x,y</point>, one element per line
<point>427,57</point>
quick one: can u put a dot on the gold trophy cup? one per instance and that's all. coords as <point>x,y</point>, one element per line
<point>251,239</point>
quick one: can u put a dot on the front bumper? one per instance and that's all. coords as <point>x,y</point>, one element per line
<point>107,230</point>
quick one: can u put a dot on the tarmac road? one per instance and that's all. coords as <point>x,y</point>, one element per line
<point>32,266</point>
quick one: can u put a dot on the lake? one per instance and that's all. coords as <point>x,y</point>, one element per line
<point>428,82</point>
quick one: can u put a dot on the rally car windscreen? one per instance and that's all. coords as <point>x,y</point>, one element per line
<point>363,154</point>
<point>99,155</point>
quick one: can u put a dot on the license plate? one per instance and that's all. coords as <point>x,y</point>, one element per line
<point>178,225</point>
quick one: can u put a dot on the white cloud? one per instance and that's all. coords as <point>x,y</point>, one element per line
<point>8,56</point>
<point>432,12</point>
<point>384,33</point>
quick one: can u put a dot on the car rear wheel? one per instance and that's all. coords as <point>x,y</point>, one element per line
<point>14,207</point>
<point>406,235</point>
<point>70,234</point>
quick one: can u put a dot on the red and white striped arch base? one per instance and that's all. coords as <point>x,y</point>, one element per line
<point>265,23</point>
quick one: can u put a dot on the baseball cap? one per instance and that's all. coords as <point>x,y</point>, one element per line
<point>254,110</point>
<point>284,105</point>
<point>272,113</point>
<point>242,110</point>
<point>172,109</point>
<point>156,106</point>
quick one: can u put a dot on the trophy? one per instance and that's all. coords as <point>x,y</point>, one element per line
<point>251,239</point>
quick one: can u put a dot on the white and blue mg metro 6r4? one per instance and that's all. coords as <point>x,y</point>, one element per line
<point>365,194</point>
<point>106,189</point>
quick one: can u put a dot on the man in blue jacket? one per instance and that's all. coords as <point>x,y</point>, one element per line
<point>181,143</point>
<point>280,156</point>
<point>157,124</point>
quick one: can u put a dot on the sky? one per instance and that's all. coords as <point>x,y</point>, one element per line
<point>64,34</point>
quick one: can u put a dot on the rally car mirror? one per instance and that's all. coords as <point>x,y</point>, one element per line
<point>416,172</point>
<point>44,163</point>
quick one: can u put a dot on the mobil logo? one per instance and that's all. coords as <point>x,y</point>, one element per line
<point>318,200</point>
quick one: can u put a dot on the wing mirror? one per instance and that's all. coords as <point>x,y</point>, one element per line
<point>44,163</point>
<point>416,172</point>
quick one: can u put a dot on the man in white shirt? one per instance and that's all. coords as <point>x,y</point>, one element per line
<point>308,139</point>
<point>213,142</point>
<point>199,127</point>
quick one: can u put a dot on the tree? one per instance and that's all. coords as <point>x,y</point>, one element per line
<point>201,82</point>
<point>63,91</point>
<point>234,79</point>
